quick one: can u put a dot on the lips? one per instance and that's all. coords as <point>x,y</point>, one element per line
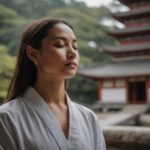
<point>71,64</point>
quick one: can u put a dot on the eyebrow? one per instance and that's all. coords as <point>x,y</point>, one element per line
<point>62,38</point>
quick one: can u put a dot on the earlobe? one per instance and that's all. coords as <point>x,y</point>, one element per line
<point>32,54</point>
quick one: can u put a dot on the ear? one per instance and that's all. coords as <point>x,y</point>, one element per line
<point>32,54</point>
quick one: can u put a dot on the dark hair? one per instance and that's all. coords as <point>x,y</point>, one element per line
<point>25,72</point>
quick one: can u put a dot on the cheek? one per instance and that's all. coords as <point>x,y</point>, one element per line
<point>53,54</point>
<point>44,60</point>
<point>78,57</point>
<point>55,58</point>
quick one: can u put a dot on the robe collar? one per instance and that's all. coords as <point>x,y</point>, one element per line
<point>38,104</point>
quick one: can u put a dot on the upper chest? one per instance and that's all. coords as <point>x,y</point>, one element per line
<point>61,116</point>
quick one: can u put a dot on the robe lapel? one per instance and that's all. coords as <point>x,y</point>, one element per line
<point>74,137</point>
<point>37,103</point>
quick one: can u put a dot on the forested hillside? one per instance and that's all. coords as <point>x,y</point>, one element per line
<point>15,15</point>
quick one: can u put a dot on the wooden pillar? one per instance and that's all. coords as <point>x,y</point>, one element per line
<point>147,89</point>
<point>135,93</point>
<point>127,94</point>
<point>100,86</point>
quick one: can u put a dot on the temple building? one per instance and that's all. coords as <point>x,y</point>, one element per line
<point>126,78</point>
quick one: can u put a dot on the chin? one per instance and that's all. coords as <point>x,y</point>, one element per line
<point>70,76</point>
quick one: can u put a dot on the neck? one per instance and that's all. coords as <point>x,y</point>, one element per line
<point>52,92</point>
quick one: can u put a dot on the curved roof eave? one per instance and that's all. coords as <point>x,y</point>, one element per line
<point>127,48</point>
<point>122,69</point>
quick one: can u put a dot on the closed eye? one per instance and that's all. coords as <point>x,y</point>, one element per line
<point>59,45</point>
<point>75,45</point>
<point>76,48</point>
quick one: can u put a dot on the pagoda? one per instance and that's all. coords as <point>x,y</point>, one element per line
<point>126,78</point>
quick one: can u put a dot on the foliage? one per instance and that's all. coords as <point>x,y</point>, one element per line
<point>6,67</point>
<point>85,89</point>
<point>10,27</point>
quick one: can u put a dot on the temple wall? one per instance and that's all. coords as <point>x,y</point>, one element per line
<point>113,95</point>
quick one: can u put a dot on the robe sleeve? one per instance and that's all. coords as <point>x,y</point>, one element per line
<point>6,136</point>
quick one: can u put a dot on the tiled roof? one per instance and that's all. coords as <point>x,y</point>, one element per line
<point>131,1</point>
<point>132,14</point>
<point>129,31</point>
<point>122,68</point>
<point>127,48</point>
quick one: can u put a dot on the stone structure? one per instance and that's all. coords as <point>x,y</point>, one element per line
<point>123,130</point>
<point>127,137</point>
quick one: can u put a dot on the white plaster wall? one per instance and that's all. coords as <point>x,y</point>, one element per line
<point>108,83</point>
<point>116,95</point>
<point>120,83</point>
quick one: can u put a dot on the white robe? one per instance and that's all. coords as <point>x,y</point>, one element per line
<point>27,123</point>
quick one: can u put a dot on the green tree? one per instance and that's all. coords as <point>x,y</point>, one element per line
<point>6,68</point>
<point>32,8</point>
<point>10,26</point>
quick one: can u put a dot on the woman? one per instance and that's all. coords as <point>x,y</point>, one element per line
<point>38,113</point>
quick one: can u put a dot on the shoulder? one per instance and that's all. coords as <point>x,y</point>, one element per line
<point>90,121</point>
<point>11,108</point>
<point>84,110</point>
<point>86,113</point>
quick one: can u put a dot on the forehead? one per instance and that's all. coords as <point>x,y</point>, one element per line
<point>61,29</point>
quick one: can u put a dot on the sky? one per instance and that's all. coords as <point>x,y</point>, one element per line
<point>97,3</point>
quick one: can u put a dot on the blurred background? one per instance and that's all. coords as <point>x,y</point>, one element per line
<point>87,17</point>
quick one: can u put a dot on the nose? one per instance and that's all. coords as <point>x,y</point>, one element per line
<point>71,53</point>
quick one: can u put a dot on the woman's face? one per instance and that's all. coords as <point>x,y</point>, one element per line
<point>58,56</point>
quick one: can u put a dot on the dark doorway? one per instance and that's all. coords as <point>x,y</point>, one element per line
<point>137,92</point>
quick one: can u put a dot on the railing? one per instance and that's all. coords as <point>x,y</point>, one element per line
<point>127,137</point>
